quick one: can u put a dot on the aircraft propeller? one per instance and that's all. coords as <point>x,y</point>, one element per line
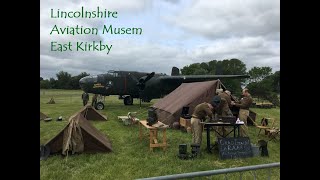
<point>141,83</point>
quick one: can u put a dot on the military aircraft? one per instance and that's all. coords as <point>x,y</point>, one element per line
<point>142,85</point>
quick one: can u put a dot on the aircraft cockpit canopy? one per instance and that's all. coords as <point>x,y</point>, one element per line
<point>113,73</point>
<point>92,79</point>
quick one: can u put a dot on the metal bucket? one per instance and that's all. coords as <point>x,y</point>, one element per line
<point>255,150</point>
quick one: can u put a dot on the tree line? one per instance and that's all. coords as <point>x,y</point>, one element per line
<point>64,81</point>
<point>262,83</point>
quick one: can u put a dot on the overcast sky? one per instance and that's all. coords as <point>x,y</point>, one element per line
<point>175,33</point>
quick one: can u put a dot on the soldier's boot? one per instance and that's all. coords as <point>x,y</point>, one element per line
<point>195,150</point>
<point>263,147</point>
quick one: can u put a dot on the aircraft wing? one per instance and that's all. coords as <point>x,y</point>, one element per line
<point>199,78</point>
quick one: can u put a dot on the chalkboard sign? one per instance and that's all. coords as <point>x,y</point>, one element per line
<point>230,148</point>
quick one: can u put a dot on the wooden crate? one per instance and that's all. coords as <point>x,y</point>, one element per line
<point>185,122</point>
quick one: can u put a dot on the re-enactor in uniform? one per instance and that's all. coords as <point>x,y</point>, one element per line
<point>200,113</point>
<point>244,105</point>
<point>224,107</point>
<point>94,100</point>
<point>223,110</point>
<point>85,98</point>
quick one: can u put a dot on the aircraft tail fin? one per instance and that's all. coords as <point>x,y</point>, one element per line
<point>175,71</point>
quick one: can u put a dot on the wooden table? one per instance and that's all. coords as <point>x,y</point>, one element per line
<point>208,125</point>
<point>153,135</point>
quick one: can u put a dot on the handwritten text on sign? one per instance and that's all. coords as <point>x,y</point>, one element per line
<point>230,148</point>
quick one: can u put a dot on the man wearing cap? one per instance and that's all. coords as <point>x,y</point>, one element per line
<point>224,107</point>
<point>200,113</point>
<point>244,105</point>
<point>85,98</point>
<point>223,110</point>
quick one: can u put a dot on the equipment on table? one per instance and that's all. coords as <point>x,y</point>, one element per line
<point>152,117</point>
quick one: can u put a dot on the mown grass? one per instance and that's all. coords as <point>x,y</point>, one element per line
<point>131,158</point>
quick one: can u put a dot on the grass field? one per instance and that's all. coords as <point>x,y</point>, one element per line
<point>131,158</point>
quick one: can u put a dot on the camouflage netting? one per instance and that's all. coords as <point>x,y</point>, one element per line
<point>43,116</point>
<point>91,114</point>
<point>169,108</point>
<point>79,136</point>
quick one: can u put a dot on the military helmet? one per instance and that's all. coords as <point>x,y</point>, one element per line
<point>215,101</point>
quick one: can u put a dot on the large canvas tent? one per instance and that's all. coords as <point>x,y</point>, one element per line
<point>92,114</point>
<point>169,108</point>
<point>79,136</point>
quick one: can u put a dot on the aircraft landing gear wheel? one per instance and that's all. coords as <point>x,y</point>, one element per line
<point>128,100</point>
<point>99,106</point>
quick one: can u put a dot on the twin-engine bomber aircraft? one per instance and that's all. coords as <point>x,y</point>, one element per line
<point>142,85</point>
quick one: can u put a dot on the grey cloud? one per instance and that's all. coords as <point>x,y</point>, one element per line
<point>150,57</point>
<point>221,19</point>
<point>173,1</point>
<point>252,51</point>
<point>249,32</point>
<point>52,62</point>
<point>126,56</point>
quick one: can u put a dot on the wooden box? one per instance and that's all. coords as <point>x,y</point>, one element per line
<point>185,122</point>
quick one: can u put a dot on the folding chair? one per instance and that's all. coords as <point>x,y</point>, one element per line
<point>274,134</point>
<point>265,125</point>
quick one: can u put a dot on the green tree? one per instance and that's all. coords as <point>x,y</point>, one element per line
<point>205,66</point>
<point>63,80</point>
<point>45,84</point>
<point>200,71</point>
<point>276,82</point>
<point>234,67</point>
<point>53,83</point>
<point>75,80</point>
<point>260,89</point>
<point>267,88</point>
<point>259,73</point>
<point>189,70</point>
<point>212,66</point>
<point>228,67</point>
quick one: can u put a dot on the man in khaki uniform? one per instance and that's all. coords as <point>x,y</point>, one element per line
<point>244,105</point>
<point>85,98</point>
<point>226,94</point>
<point>200,113</point>
<point>223,110</point>
<point>94,100</point>
<point>224,107</point>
